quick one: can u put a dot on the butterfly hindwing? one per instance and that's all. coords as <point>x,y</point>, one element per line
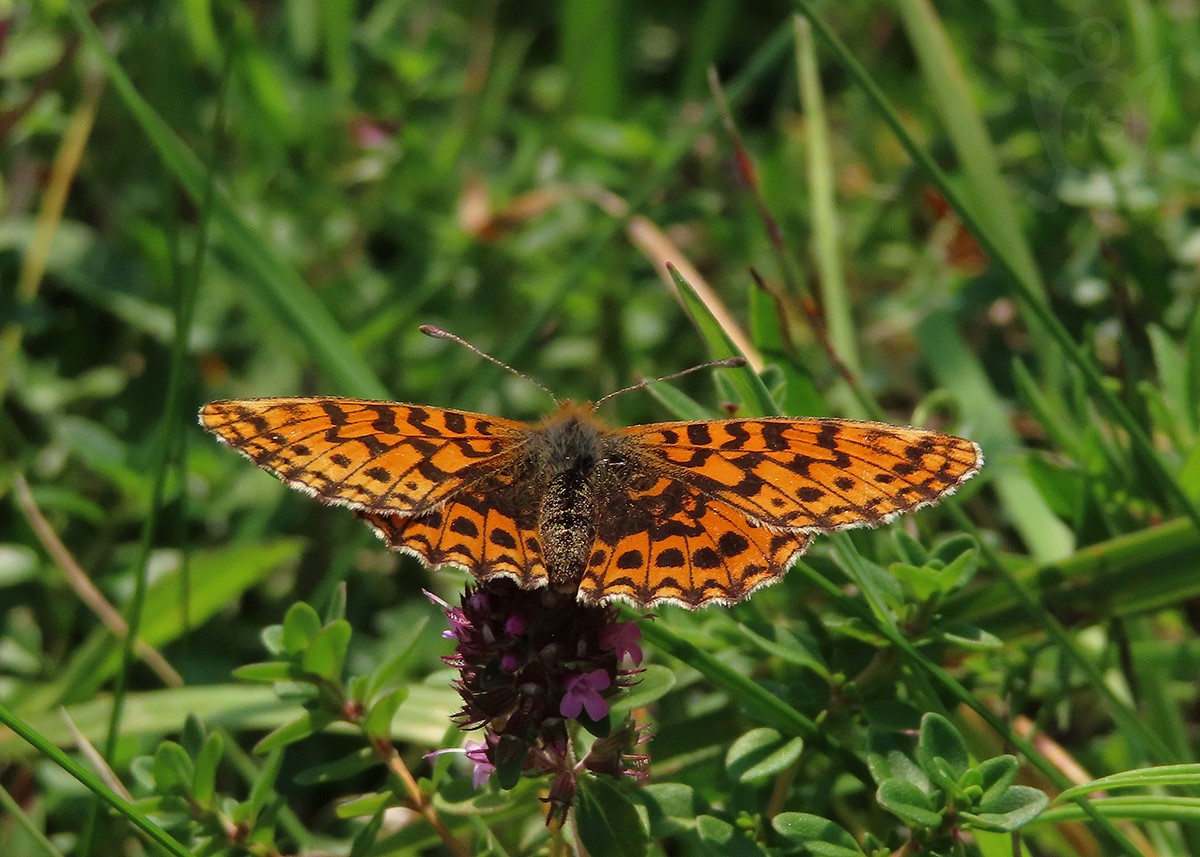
<point>470,533</point>
<point>662,540</point>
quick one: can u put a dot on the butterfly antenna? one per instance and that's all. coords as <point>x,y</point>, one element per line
<point>712,364</point>
<point>438,333</point>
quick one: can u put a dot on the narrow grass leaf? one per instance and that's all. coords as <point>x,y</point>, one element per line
<point>756,400</point>
<point>827,252</point>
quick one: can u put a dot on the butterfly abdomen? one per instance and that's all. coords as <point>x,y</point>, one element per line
<point>570,446</point>
<point>567,527</point>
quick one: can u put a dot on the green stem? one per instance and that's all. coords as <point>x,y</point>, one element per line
<point>90,781</point>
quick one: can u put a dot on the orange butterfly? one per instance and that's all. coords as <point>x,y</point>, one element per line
<point>691,513</point>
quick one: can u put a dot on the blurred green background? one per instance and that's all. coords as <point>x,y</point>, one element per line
<point>212,199</point>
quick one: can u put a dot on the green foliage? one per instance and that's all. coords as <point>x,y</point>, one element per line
<point>980,219</point>
<point>937,791</point>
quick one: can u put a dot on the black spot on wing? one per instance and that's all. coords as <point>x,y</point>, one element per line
<point>698,434</point>
<point>336,415</point>
<point>669,558</point>
<point>773,436</point>
<point>385,419</point>
<point>630,559</point>
<point>737,436</point>
<point>503,538</point>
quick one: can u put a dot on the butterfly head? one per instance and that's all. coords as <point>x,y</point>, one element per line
<point>571,439</point>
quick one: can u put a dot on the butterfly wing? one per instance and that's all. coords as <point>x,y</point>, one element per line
<point>659,539</point>
<point>487,530</point>
<point>813,475</point>
<point>379,457</point>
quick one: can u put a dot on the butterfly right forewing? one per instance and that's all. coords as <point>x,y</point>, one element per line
<point>815,475</point>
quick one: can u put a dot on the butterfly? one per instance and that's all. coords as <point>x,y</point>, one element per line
<point>691,513</point>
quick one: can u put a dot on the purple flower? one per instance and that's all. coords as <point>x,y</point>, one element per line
<point>621,638</point>
<point>454,615</point>
<point>484,768</point>
<point>583,692</point>
<point>477,753</point>
<point>529,662</point>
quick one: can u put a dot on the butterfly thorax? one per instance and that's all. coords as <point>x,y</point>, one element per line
<point>570,448</point>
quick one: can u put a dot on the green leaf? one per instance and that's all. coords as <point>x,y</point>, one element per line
<point>378,722</point>
<point>911,551</point>
<point>368,804</point>
<point>671,808</point>
<point>335,610</point>
<point>173,769</point>
<point>18,563</point>
<point>205,779</point>
<point>818,835</point>
<point>607,821</point>
<point>300,628</point>
<point>760,754</point>
<point>192,737</point>
<point>678,404</point>
<point>940,740</point>
<point>959,571</point>
<point>356,690</point>
<point>327,654</point>
<point>1016,807</point>
<point>263,789</point>
<point>948,549</point>
<point>723,839</point>
<point>904,800</point>
<point>801,651</point>
<point>755,399</point>
<point>836,302</point>
<point>364,840</point>
<point>272,640</point>
<point>1160,775</point>
<point>269,672</point>
<point>460,797</point>
<point>921,581</point>
<point>970,637</point>
<point>509,756</point>
<point>996,775</point>
<point>308,723</point>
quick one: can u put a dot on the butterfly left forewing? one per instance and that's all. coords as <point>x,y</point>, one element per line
<point>383,457</point>
<point>815,475</point>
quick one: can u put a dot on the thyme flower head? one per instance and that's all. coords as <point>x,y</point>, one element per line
<point>529,663</point>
